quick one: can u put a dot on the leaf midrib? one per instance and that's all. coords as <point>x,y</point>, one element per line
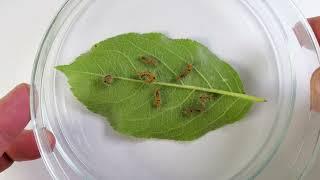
<point>212,90</point>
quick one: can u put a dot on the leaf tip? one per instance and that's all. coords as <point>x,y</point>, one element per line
<point>60,68</point>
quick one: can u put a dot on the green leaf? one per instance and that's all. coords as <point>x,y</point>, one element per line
<point>127,101</point>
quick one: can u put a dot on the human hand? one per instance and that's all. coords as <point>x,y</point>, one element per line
<point>315,80</point>
<point>17,144</point>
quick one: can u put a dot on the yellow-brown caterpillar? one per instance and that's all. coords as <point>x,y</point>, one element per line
<point>157,98</point>
<point>203,100</point>
<point>147,76</point>
<point>149,60</point>
<point>108,79</point>
<point>190,110</point>
<point>185,72</point>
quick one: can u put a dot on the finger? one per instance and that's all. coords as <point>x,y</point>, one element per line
<point>315,25</point>
<point>25,147</point>
<point>14,115</point>
<point>5,162</point>
<point>315,91</point>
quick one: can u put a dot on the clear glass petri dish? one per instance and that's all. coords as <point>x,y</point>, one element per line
<point>269,43</point>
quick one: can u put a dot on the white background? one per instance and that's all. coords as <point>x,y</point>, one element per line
<point>22,25</point>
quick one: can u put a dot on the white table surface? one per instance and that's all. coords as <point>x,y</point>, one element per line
<point>23,23</point>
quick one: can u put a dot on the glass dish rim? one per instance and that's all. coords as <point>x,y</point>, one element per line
<point>52,30</point>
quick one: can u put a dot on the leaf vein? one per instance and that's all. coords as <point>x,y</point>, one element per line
<point>216,120</point>
<point>187,122</point>
<point>165,110</point>
<point>162,62</point>
<point>181,58</point>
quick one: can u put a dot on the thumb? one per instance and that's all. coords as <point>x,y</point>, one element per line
<point>14,115</point>
<point>315,25</point>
